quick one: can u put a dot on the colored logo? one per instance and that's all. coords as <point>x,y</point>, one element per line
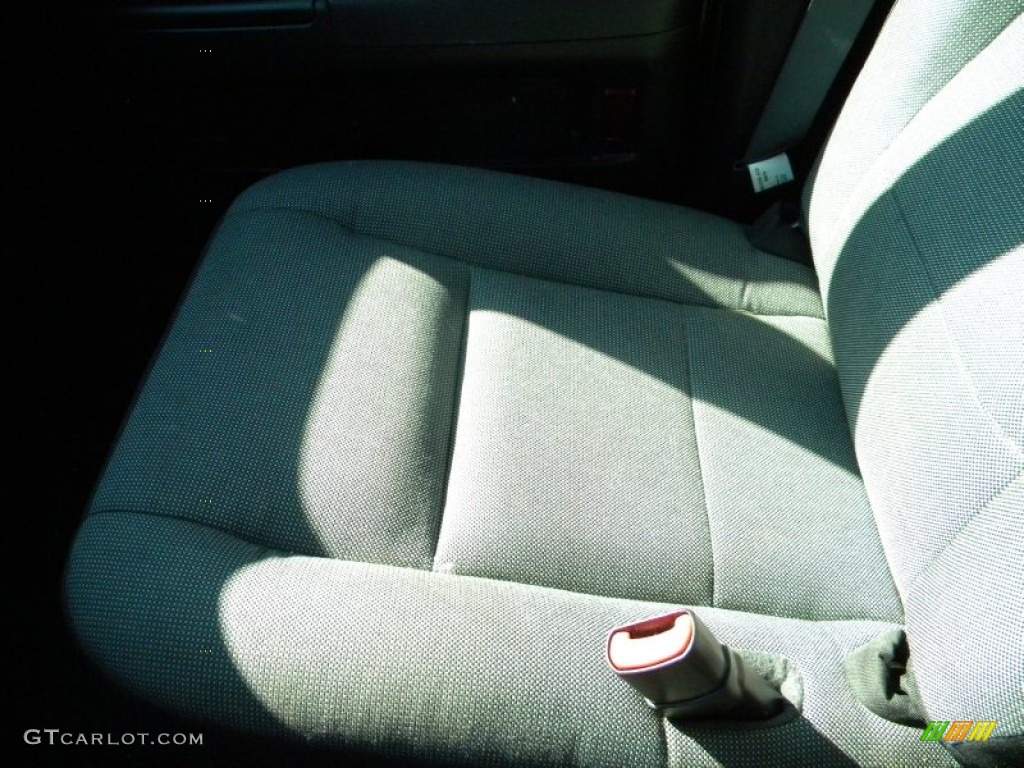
<point>958,730</point>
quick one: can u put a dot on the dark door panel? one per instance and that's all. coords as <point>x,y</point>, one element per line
<point>597,91</point>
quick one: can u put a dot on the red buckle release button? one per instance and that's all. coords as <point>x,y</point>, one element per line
<point>650,643</point>
<point>682,670</point>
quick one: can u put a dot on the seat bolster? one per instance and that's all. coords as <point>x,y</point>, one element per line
<point>549,230</point>
<point>454,669</point>
<point>286,407</point>
<point>974,604</point>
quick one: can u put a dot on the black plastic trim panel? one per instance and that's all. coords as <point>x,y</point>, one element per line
<point>199,15</point>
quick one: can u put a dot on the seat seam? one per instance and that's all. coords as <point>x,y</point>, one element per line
<point>953,344</point>
<point>294,553</point>
<point>663,733</point>
<point>200,523</point>
<point>700,464</point>
<point>837,236</point>
<point>363,233</point>
<point>454,421</point>
<point>972,385</point>
<point>978,510</point>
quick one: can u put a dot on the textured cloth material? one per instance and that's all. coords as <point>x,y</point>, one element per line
<point>923,271</point>
<point>258,417</point>
<point>549,230</point>
<point>922,45</point>
<point>605,444</point>
<point>584,421</point>
<point>420,436</point>
<point>451,669</point>
<point>308,395</point>
<point>786,505</point>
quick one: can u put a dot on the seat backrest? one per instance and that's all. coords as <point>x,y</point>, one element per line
<point>916,220</point>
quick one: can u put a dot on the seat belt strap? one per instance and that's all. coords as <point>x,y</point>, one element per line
<point>822,43</point>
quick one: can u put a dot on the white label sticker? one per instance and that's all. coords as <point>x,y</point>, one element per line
<point>771,172</point>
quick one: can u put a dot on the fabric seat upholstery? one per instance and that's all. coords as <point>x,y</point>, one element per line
<point>419,436</point>
<point>305,364</point>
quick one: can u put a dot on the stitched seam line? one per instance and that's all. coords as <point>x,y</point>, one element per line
<point>915,247</point>
<point>981,508</point>
<point>952,343</point>
<point>355,230</point>
<point>700,463</point>
<point>453,423</point>
<point>663,733</point>
<point>201,524</point>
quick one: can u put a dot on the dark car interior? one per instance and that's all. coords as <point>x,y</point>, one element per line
<point>436,382</point>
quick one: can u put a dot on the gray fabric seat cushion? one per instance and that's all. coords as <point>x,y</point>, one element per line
<point>922,264</point>
<point>453,669</point>
<point>319,376</point>
<point>420,436</point>
<point>343,433</point>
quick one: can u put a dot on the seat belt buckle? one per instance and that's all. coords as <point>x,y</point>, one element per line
<point>777,231</point>
<point>682,670</point>
<point>770,172</point>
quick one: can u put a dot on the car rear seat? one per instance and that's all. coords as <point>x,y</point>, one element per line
<point>420,436</point>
